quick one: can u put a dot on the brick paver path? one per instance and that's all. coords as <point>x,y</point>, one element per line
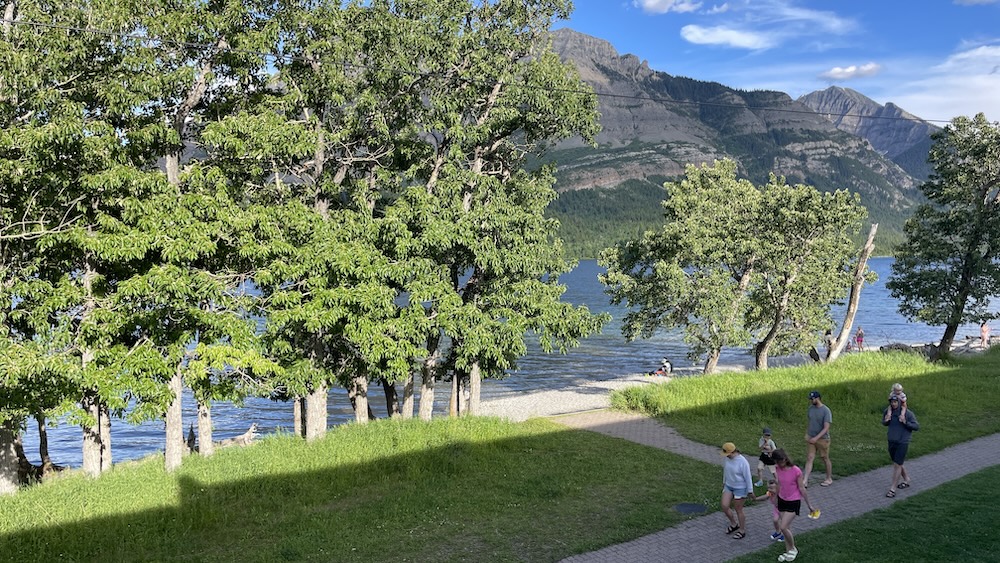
<point>702,539</point>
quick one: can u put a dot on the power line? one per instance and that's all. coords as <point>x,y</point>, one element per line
<point>291,57</point>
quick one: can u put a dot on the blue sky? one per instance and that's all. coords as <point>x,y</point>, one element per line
<point>936,59</point>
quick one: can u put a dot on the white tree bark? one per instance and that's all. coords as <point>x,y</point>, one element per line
<point>174,450</point>
<point>8,458</point>
<point>316,413</point>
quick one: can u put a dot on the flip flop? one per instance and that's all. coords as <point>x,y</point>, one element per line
<point>731,529</point>
<point>826,483</point>
<point>902,485</point>
<point>739,535</point>
<point>890,494</point>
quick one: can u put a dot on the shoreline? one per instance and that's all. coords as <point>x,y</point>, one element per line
<point>580,394</point>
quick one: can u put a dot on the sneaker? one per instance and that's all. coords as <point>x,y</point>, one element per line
<point>777,536</point>
<point>758,484</point>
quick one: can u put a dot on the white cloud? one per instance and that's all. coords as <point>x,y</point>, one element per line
<point>719,9</point>
<point>664,6</point>
<point>727,37</point>
<point>853,71</point>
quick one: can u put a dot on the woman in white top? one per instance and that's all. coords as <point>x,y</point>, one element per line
<point>737,486</point>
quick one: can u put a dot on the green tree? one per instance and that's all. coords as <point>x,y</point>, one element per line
<point>696,271</point>
<point>734,262</point>
<point>948,268</point>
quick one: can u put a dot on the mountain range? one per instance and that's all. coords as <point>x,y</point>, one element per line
<point>653,124</point>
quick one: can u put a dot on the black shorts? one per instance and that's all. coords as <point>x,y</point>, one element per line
<point>789,505</point>
<point>897,452</point>
<point>766,459</point>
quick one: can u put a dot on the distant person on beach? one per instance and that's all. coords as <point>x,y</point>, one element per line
<point>737,486</point>
<point>791,492</point>
<point>766,446</point>
<point>859,339</point>
<point>818,437</point>
<point>984,335</point>
<point>898,435</point>
<point>666,366</point>
<point>897,393</point>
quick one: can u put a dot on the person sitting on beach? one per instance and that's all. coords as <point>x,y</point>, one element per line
<point>666,366</point>
<point>896,394</point>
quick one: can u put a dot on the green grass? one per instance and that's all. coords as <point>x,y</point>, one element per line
<point>954,402</point>
<point>488,490</point>
<point>447,490</point>
<point>953,522</point>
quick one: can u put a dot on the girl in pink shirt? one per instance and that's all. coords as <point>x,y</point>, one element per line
<point>791,493</point>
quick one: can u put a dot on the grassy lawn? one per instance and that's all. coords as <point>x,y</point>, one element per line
<point>954,402</point>
<point>447,490</point>
<point>489,490</point>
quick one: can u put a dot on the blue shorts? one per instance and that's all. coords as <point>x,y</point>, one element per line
<point>897,452</point>
<point>738,492</point>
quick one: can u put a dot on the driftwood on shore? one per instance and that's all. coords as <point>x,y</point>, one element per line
<point>244,439</point>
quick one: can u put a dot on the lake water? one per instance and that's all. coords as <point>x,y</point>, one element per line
<point>602,356</point>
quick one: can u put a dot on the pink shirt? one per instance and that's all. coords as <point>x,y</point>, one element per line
<point>788,482</point>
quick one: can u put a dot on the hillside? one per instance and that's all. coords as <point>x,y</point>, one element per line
<point>654,124</point>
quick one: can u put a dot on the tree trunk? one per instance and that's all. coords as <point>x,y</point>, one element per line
<point>316,414</point>
<point>391,397</point>
<point>206,447</point>
<point>712,361</point>
<point>455,389</point>
<point>105,429</point>
<point>43,445</point>
<point>8,458</point>
<point>428,376</point>
<point>91,435</point>
<point>174,450</point>
<point>837,345</point>
<point>298,406</point>
<point>358,393</point>
<point>475,388</point>
<point>406,411</point>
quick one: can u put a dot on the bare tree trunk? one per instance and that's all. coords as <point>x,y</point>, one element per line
<point>91,435</point>
<point>358,393</point>
<point>391,397</point>
<point>105,429</point>
<point>712,361</point>
<point>428,377</point>
<point>837,345</point>
<point>298,405</point>
<point>206,447</point>
<point>406,411</point>
<point>174,450</point>
<point>453,401</point>
<point>8,458</point>
<point>316,414</point>
<point>475,388</point>
<point>43,444</point>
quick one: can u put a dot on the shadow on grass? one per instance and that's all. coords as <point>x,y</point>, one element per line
<point>388,491</point>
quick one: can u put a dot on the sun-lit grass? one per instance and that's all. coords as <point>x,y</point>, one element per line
<point>954,402</point>
<point>953,522</point>
<point>446,490</point>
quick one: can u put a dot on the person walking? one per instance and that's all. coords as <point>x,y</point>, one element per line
<point>737,486</point>
<point>859,339</point>
<point>818,437</point>
<point>901,426</point>
<point>791,489</point>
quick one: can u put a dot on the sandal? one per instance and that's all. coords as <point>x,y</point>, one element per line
<point>739,535</point>
<point>902,485</point>
<point>890,494</point>
<point>731,529</point>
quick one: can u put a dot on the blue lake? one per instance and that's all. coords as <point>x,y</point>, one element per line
<point>602,356</point>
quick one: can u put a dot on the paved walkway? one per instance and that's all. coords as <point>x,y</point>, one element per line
<point>702,539</point>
